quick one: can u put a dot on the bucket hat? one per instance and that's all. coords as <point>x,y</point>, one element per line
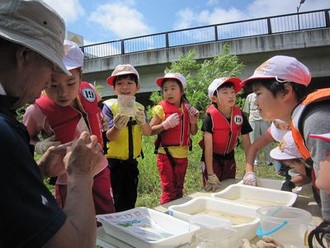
<point>35,25</point>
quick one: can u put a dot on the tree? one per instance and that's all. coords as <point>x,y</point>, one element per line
<point>199,75</point>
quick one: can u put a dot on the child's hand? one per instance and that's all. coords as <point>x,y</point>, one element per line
<point>42,146</point>
<point>193,114</point>
<point>172,121</point>
<point>212,183</point>
<point>105,123</point>
<point>140,116</point>
<point>120,121</point>
<point>250,179</point>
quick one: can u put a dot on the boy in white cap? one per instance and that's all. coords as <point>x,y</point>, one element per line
<point>223,124</point>
<point>126,126</point>
<point>59,116</point>
<point>174,120</point>
<point>31,48</point>
<point>281,87</point>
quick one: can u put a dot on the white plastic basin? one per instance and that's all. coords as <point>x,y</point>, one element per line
<point>243,218</point>
<point>256,196</point>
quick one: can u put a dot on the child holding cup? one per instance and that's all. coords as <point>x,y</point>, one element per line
<point>127,122</point>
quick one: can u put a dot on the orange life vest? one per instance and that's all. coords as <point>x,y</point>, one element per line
<point>318,95</point>
<point>225,133</point>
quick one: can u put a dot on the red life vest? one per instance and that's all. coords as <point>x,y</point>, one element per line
<point>179,135</point>
<point>225,134</point>
<point>318,95</point>
<point>64,120</point>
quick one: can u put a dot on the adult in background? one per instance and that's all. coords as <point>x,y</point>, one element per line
<point>31,48</point>
<point>259,127</point>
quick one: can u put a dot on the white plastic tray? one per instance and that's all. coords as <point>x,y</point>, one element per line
<point>243,218</point>
<point>147,228</point>
<point>256,196</point>
<point>268,183</point>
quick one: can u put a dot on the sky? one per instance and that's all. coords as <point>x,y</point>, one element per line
<point>108,20</point>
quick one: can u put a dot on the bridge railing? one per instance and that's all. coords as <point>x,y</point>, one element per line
<point>209,33</point>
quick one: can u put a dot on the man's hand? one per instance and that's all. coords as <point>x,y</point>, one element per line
<point>250,178</point>
<point>212,183</point>
<point>120,121</point>
<point>84,156</point>
<point>171,121</point>
<point>42,146</point>
<point>51,163</point>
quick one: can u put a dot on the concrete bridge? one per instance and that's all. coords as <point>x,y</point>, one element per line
<point>305,36</point>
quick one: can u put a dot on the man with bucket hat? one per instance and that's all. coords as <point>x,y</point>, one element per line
<point>31,49</point>
<point>281,87</point>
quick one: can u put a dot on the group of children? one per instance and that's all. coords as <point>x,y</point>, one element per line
<point>71,106</point>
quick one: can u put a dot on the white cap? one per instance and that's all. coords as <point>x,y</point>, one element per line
<point>277,133</point>
<point>324,136</point>
<point>171,75</point>
<point>120,70</point>
<point>283,69</point>
<point>73,56</point>
<point>287,149</point>
<point>219,81</point>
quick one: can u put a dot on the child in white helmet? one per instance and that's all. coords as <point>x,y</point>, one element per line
<point>223,124</point>
<point>174,120</point>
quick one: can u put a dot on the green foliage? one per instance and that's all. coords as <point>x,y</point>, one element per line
<point>156,97</point>
<point>99,88</point>
<point>20,112</point>
<point>199,75</point>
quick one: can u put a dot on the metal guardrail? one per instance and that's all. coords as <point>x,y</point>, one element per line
<point>217,32</point>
